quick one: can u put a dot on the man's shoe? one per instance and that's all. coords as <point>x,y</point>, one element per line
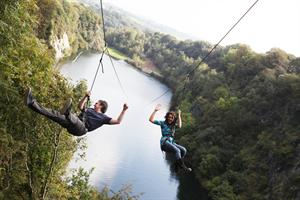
<point>28,98</point>
<point>67,107</point>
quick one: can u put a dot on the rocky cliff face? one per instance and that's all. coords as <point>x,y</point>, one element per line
<point>69,27</point>
<point>61,46</point>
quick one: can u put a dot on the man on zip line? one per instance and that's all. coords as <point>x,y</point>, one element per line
<point>88,120</point>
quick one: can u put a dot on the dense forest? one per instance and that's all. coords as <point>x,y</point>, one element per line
<point>240,109</point>
<point>35,152</point>
<point>241,112</point>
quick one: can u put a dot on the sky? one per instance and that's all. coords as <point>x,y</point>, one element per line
<point>270,23</point>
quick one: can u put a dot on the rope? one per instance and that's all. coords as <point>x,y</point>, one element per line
<point>101,58</point>
<point>104,37</point>
<point>105,48</point>
<point>208,54</point>
<point>223,37</point>
<point>116,73</point>
<point>107,51</point>
<point>52,164</point>
<point>100,63</point>
<point>163,94</point>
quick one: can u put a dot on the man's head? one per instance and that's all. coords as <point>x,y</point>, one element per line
<point>101,105</point>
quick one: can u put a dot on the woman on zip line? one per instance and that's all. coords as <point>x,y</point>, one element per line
<point>167,142</point>
<point>88,120</point>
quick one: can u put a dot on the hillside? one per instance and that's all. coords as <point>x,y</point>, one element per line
<point>34,36</point>
<point>240,112</point>
<point>240,109</point>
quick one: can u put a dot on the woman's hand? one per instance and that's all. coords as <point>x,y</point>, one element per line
<point>179,118</point>
<point>125,107</point>
<point>179,112</point>
<point>157,107</point>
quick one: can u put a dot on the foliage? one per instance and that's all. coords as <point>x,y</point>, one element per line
<point>240,113</point>
<point>82,26</point>
<point>34,151</point>
<point>127,40</point>
<point>240,109</point>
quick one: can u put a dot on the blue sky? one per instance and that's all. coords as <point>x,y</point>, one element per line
<point>271,23</point>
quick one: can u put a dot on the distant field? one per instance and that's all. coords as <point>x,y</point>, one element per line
<point>117,54</point>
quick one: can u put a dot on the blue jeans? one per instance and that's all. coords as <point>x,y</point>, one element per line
<point>174,148</point>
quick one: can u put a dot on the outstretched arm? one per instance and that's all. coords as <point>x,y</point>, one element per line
<point>82,102</point>
<point>179,119</point>
<point>157,108</point>
<point>120,118</point>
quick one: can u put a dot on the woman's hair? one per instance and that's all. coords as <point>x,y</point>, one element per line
<point>174,115</point>
<point>104,105</point>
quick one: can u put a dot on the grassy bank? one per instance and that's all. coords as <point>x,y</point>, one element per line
<point>117,54</point>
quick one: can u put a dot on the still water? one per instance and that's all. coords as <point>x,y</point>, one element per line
<point>129,153</point>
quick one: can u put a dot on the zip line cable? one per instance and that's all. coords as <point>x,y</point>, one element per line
<point>116,73</point>
<point>224,37</point>
<point>100,63</point>
<point>105,50</point>
<point>108,53</point>
<point>163,94</point>
<point>104,37</point>
<point>208,54</point>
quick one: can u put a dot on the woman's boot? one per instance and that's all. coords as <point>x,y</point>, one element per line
<point>184,166</point>
<point>179,164</point>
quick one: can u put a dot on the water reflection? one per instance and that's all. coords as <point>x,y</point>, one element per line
<point>189,187</point>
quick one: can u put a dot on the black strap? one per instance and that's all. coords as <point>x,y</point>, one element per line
<point>82,116</point>
<point>166,139</point>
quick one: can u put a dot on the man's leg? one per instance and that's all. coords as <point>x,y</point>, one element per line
<point>66,119</point>
<point>78,127</point>
<point>50,114</point>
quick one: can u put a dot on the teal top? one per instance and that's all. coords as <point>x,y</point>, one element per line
<point>166,131</point>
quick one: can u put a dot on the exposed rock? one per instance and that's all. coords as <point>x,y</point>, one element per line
<point>61,46</point>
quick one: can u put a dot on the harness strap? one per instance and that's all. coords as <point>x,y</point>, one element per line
<point>165,140</point>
